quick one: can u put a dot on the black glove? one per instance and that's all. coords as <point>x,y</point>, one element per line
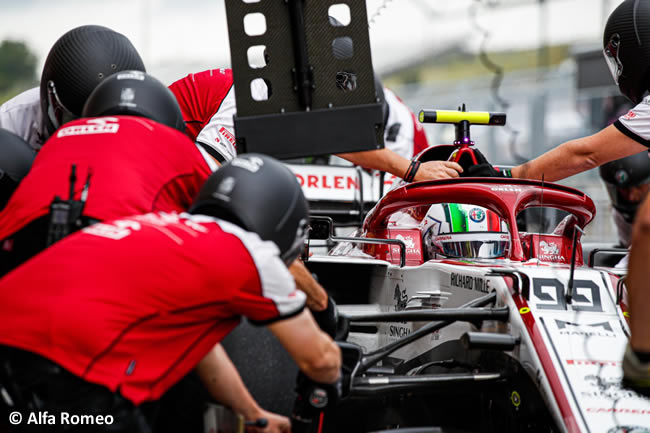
<point>328,318</point>
<point>483,168</point>
<point>315,397</point>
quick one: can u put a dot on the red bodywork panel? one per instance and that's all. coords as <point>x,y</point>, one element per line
<point>506,197</point>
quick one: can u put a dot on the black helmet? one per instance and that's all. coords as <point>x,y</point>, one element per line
<point>261,195</point>
<point>622,175</point>
<point>626,44</point>
<point>15,161</point>
<point>77,62</point>
<point>135,93</point>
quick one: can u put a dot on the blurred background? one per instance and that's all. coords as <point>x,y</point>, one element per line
<point>540,61</point>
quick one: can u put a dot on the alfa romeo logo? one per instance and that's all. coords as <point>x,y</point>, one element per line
<point>621,176</point>
<point>477,215</point>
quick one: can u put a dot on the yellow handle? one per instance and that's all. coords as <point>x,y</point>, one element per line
<point>473,117</point>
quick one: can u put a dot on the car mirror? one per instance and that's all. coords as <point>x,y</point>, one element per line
<point>320,228</point>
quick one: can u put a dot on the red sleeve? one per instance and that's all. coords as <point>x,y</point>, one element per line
<point>270,292</point>
<point>200,95</point>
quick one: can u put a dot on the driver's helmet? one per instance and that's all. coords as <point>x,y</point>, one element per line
<point>465,231</point>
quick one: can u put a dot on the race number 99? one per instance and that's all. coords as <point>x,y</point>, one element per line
<point>550,293</point>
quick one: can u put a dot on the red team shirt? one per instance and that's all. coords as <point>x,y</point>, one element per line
<point>137,166</point>
<point>207,100</point>
<point>136,303</point>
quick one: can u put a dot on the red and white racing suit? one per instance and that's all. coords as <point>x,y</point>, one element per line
<point>134,304</point>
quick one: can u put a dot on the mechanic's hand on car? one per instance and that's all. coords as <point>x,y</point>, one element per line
<point>483,168</point>
<point>433,170</point>
<point>275,423</point>
<point>316,294</point>
<point>328,319</point>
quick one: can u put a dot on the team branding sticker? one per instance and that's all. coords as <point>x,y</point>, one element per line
<point>621,176</point>
<point>630,115</point>
<point>131,75</point>
<point>127,94</point>
<point>505,189</point>
<point>228,136</point>
<point>252,164</point>
<point>227,185</point>
<point>477,215</point>
<point>102,125</point>
<point>549,247</point>
<point>408,241</point>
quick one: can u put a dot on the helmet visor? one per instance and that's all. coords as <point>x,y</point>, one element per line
<point>474,245</point>
<point>611,52</point>
<point>56,111</point>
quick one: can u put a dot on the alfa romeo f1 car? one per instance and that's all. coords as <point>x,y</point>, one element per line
<point>467,304</point>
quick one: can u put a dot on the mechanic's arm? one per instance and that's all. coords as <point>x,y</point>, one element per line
<point>222,380</point>
<point>316,294</point>
<point>313,350</point>
<point>390,162</point>
<point>581,154</point>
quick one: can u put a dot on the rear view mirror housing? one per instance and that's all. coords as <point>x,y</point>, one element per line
<point>320,228</point>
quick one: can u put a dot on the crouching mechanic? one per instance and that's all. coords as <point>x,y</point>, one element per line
<point>626,46</point>
<point>133,159</point>
<point>120,311</point>
<point>77,62</point>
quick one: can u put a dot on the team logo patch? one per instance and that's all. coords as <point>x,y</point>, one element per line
<point>630,115</point>
<point>93,126</point>
<point>252,164</point>
<point>621,176</point>
<point>477,215</point>
<point>131,75</point>
<point>227,185</point>
<point>408,241</point>
<point>228,136</point>
<point>549,247</point>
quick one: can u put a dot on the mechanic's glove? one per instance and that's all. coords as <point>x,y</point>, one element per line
<point>316,397</point>
<point>486,170</point>
<point>328,318</point>
<point>483,168</point>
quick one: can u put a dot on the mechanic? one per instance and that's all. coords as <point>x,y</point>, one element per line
<point>627,180</point>
<point>76,63</point>
<point>15,160</point>
<point>128,307</point>
<point>207,100</point>
<point>626,45</point>
<point>111,174</point>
